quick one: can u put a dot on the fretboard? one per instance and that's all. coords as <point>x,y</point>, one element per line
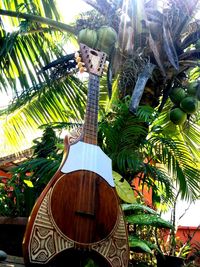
<point>91,117</point>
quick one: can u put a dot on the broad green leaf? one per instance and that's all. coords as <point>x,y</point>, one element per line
<point>137,207</point>
<point>123,188</point>
<point>138,245</point>
<point>148,219</point>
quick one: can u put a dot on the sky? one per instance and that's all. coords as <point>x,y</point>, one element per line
<point>70,11</point>
<point>187,214</point>
<point>4,99</point>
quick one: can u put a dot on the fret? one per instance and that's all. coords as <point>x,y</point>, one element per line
<point>92,109</point>
<point>89,126</point>
<point>92,105</point>
<point>92,95</point>
<point>90,140</point>
<point>90,131</point>
<point>90,136</point>
<point>93,98</point>
<point>91,116</point>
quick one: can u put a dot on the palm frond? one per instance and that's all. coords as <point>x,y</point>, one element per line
<point>27,48</point>
<point>157,178</point>
<point>64,102</point>
<point>177,157</point>
<point>146,113</point>
<point>42,8</point>
<point>192,139</point>
<point>25,58</point>
<point>120,134</point>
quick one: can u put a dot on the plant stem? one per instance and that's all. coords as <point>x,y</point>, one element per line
<point>39,19</point>
<point>173,230</point>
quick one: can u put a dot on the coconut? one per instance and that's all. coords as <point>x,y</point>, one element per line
<point>87,37</point>
<point>177,95</point>
<point>177,116</point>
<point>106,39</point>
<point>192,88</point>
<point>189,104</point>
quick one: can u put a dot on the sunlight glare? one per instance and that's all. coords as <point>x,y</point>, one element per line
<point>75,7</point>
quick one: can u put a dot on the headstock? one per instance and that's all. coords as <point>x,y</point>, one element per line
<point>91,60</point>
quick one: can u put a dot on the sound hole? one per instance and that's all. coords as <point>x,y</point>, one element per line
<point>84,207</point>
<point>94,53</point>
<point>79,258</point>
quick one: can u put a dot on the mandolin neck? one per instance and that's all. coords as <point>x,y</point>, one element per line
<point>91,117</point>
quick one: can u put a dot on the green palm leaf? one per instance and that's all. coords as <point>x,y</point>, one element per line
<point>62,102</point>
<point>137,207</point>
<point>148,219</point>
<point>138,245</point>
<point>30,46</point>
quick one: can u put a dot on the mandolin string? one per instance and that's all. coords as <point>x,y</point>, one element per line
<point>95,120</point>
<point>92,118</point>
<point>90,136</point>
<point>93,130</point>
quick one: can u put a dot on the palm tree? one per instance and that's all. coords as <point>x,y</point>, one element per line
<point>156,51</point>
<point>37,98</point>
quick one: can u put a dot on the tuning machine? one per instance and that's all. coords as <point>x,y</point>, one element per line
<point>80,63</point>
<point>105,69</point>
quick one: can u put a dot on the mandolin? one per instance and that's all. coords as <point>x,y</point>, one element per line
<point>77,220</point>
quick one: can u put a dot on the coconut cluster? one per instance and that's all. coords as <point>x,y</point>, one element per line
<point>103,39</point>
<point>186,102</point>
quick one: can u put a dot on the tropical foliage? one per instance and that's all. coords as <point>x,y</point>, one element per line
<point>141,144</point>
<point>26,46</point>
<point>143,223</point>
<point>157,49</point>
<point>19,193</point>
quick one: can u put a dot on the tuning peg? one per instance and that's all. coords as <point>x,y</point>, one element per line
<point>82,69</point>
<point>105,69</point>
<point>78,59</point>
<point>80,64</point>
<point>77,54</point>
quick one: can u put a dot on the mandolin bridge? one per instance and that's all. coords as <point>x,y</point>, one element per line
<point>85,214</point>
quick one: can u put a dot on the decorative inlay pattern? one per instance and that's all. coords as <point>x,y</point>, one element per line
<point>74,135</point>
<point>115,248</point>
<point>46,241</point>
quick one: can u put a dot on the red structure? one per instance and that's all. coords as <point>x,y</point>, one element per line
<point>4,174</point>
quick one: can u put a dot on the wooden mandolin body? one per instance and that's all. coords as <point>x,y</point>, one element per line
<point>77,215</point>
